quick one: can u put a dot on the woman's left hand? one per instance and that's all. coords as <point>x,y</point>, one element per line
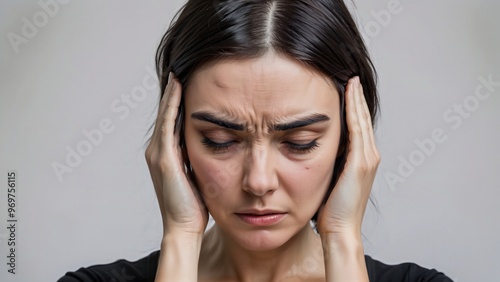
<point>342,214</point>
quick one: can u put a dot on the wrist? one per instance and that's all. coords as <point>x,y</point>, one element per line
<point>344,257</point>
<point>174,236</point>
<point>346,237</point>
<point>342,242</point>
<point>179,256</point>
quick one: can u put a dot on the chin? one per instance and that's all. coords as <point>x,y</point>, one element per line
<point>261,239</point>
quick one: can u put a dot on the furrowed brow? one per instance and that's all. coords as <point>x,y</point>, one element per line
<point>302,122</point>
<point>209,117</point>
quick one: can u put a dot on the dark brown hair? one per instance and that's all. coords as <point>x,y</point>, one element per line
<point>319,33</point>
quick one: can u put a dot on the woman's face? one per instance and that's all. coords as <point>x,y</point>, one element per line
<point>262,137</point>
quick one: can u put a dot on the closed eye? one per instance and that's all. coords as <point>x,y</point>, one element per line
<point>222,147</point>
<point>217,147</point>
<point>301,148</point>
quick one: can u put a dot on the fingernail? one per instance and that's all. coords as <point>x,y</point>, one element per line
<point>170,74</point>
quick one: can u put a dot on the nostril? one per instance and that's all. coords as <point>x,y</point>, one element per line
<point>259,183</point>
<point>259,175</point>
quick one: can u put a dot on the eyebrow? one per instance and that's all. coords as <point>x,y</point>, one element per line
<point>301,122</point>
<point>208,117</point>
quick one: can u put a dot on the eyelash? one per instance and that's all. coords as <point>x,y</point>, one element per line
<point>216,147</point>
<point>294,148</point>
<point>302,148</point>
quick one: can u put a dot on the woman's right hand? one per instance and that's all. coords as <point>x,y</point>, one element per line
<point>181,206</point>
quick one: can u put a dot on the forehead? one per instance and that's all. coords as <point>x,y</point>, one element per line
<point>260,86</point>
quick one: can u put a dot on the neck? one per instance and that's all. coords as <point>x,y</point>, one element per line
<point>300,256</point>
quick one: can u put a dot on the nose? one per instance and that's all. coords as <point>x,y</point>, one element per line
<point>260,172</point>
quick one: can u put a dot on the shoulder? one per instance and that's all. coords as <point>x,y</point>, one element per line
<point>142,270</point>
<point>407,272</point>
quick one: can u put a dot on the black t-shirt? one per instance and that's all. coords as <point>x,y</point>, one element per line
<point>144,270</point>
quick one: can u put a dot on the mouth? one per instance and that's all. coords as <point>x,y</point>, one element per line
<point>261,218</point>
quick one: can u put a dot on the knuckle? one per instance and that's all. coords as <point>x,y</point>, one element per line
<point>148,158</point>
<point>366,126</point>
<point>374,163</point>
<point>149,154</point>
<point>376,155</point>
<point>364,168</point>
<point>356,129</point>
<point>163,127</point>
<point>154,158</point>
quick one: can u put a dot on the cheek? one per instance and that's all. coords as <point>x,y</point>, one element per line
<point>214,178</point>
<point>307,184</point>
<point>217,180</point>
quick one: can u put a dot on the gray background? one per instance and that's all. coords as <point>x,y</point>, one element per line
<point>71,72</point>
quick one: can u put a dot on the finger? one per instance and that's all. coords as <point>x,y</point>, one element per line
<point>171,112</point>
<point>363,117</point>
<point>163,104</point>
<point>152,152</point>
<point>367,124</point>
<point>352,118</point>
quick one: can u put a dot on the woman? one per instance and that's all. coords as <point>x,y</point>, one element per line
<point>265,122</point>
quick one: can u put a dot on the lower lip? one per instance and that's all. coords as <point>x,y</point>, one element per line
<point>262,220</point>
